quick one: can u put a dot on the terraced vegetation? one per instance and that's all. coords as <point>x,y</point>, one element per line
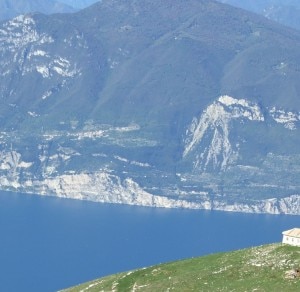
<point>264,268</point>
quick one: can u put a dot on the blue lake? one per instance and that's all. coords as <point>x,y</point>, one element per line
<point>48,243</point>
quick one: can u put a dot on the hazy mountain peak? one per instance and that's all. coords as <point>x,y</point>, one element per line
<point>12,8</point>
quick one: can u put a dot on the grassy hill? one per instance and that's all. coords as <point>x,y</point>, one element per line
<point>263,268</point>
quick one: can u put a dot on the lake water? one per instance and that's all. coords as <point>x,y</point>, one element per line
<point>48,243</point>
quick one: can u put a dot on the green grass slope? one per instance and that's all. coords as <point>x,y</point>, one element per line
<point>263,268</point>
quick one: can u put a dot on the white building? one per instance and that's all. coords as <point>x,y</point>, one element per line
<point>291,237</point>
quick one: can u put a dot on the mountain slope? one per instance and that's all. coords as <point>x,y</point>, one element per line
<point>190,106</point>
<point>286,12</point>
<point>264,268</point>
<point>12,8</point>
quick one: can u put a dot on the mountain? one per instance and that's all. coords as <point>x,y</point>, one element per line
<point>264,268</point>
<point>12,8</point>
<point>286,12</point>
<point>190,104</point>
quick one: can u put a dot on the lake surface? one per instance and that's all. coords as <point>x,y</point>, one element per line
<point>48,243</point>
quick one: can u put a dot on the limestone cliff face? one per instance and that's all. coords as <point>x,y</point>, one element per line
<point>105,187</point>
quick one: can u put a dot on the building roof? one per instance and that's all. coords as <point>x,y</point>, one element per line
<point>295,232</point>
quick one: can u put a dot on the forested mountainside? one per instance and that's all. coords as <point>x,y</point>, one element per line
<point>158,103</point>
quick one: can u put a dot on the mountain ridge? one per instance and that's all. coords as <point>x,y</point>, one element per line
<point>11,8</point>
<point>284,12</point>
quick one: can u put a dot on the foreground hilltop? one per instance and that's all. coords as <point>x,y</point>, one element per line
<point>175,103</point>
<point>265,268</point>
